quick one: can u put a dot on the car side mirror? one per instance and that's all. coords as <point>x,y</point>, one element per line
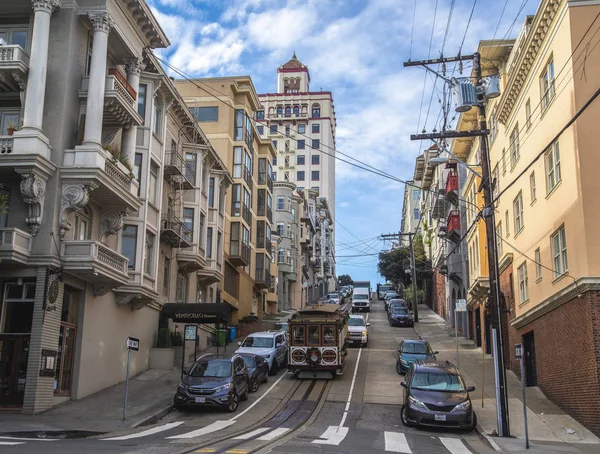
<point>470,389</point>
<point>239,344</point>
<point>186,371</point>
<point>368,324</point>
<point>403,384</point>
<point>240,373</point>
<point>278,344</point>
<point>435,352</point>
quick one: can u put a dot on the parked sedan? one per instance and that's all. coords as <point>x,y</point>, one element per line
<point>410,351</point>
<point>435,394</point>
<point>400,316</point>
<point>388,296</point>
<point>334,298</point>
<point>258,370</point>
<point>214,381</point>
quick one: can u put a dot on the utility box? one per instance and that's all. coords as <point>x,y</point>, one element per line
<point>464,94</point>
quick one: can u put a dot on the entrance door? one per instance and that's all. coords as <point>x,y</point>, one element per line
<point>14,350</point>
<point>478,327</point>
<point>67,342</point>
<point>530,367</point>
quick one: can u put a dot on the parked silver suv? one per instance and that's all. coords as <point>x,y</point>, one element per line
<point>271,345</point>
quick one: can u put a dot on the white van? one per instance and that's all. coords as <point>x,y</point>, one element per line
<point>361,299</point>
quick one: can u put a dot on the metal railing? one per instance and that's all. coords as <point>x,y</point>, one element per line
<point>6,145</point>
<point>117,174</point>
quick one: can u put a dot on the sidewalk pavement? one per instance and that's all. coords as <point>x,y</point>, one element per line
<point>150,396</point>
<point>550,428</point>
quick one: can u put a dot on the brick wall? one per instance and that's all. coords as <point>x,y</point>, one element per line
<point>438,294</point>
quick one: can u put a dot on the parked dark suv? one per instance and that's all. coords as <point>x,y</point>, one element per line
<point>216,381</point>
<point>435,395</point>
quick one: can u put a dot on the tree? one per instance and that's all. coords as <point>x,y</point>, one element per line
<point>345,279</point>
<point>392,265</point>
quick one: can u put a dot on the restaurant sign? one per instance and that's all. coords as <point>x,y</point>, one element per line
<point>209,313</point>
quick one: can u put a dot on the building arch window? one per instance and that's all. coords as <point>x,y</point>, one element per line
<point>182,284</point>
<point>271,111</point>
<point>279,110</point>
<point>296,110</point>
<point>288,111</point>
<point>316,110</point>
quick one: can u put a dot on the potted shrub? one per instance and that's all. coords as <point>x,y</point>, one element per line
<point>162,356</point>
<point>11,129</point>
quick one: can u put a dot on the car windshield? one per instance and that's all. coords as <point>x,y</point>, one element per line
<point>333,296</point>
<point>249,360</point>
<point>391,295</point>
<point>258,342</point>
<point>397,309</point>
<point>417,349</point>
<point>219,369</point>
<point>360,297</point>
<point>437,381</point>
<point>356,321</point>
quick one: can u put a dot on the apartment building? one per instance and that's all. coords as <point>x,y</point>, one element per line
<point>226,108</point>
<point>545,167</point>
<point>302,126</point>
<point>410,209</point>
<point>106,174</point>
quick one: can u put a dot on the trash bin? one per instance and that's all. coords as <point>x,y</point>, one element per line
<point>232,333</point>
<point>221,337</point>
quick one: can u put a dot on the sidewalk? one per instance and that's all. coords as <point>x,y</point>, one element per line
<point>547,423</point>
<point>150,397</point>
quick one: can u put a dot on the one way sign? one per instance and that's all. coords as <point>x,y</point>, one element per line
<point>133,344</point>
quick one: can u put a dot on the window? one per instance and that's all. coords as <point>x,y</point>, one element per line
<point>300,175</point>
<point>316,111</point>
<point>273,130</point>
<point>156,116</point>
<point>296,111</point>
<point>288,111</point>
<point>211,192</point>
<point>316,128</point>
<point>528,114</point>
<point>4,195</point>
<point>300,160</point>
<point>275,161</point>
<point>81,230</point>
<point>141,101</point>
<point>137,169</point>
<point>518,212</point>
<point>280,203</point>
<point>552,167</point>
<point>153,185</point>
<point>236,200</point>
<point>188,222</point>
<point>514,145</point>
<point>559,252</point>
<point>298,335</point>
<point>499,238</point>
<point>281,230</point>
<point>316,144</point>
<point>128,244</point>
<point>167,277</point>
<point>149,254</point>
<point>315,159</point>
<point>315,175</point>
<point>416,213</point>
<point>302,129</point>
<point>300,145</point>
<point>274,176</point>
<point>538,264</point>
<point>279,110</point>
<point>532,187</point>
<point>260,129</point>
<point>182,285</point>
<point>523,283</point>
<point>205,114</point>
<point>547,84</point>
<point>260,115</point>
<point>506,223</point>
<point>416,193</point>
<point>237,162</point>
<point>238,127</point>
<point>209,235</point>
<point>504,161</point>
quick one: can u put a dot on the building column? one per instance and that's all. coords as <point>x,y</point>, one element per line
<point>134,67</point>
<point>38,64</point>
<point>92,134</point>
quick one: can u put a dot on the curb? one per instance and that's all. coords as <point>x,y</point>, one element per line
<point>153,417</point>
<point>489,439</point>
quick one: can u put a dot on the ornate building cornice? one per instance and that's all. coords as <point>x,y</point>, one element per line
<point>74,197</point>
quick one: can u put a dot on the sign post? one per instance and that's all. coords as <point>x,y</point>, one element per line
<point>131,343</point>
<point>189,334</point>
<point>461,306</point>
<point>519,356</point>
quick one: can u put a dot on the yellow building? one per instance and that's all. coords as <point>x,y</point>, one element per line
<point>226,109</point>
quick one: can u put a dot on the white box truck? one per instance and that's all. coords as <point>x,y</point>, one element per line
<point>361,299</point>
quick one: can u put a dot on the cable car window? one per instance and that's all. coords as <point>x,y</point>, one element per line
<point>328,335</point>
<point>313,335</point>
<point>298,335</point>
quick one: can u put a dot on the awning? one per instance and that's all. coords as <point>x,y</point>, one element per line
<point>198,313</point>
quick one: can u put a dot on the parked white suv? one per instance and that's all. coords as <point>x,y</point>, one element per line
<point>271,345</point>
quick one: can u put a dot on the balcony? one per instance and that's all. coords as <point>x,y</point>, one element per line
<point>120,100</point>
<point>177,170</point>
<point>14,65</point>
<point>452,187</point>
<point>239,253</point>
<point>192,258</point>
<point>247,214</point>
<point>174,233</point>
<point>248,178</point>
<point>15,246</point>
<point>211,273</point>
<point>262,279</point>
<point>453,225</point>
<point>95,263</point>
<point>6,144</point>
<point>438,209</point>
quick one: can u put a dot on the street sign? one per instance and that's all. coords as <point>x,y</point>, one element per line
<point>190,333</point>
<point>461,305</point>
<point>518,351</point>
<point>133,344</point>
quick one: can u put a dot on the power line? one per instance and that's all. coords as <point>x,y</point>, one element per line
<point>468,23</point>
<point>412,29</point>
<point>447,26</point>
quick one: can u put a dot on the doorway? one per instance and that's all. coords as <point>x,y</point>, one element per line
<point>67,342</point>
<point>530,366</point>
<point>478,327</point>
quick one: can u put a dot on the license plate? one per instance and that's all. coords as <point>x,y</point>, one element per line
<point>201,400</point>
<point>440,417</point>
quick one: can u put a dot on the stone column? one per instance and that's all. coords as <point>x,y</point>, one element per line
<point>133,67</point>
<point>92,134</point>
<point>38,64</point>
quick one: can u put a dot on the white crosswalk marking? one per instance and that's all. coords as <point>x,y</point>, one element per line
<point>11,443</point>
<point>455,445</point>
<point>396,442</point>
<point>217,425</point>
<point>334,435</point>
<point>27,439</point>
<point>145,433</point>
<point>252,434</point>
<point>273,434</point>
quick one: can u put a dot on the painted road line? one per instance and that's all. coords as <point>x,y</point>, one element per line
<point>252,434</point>
<point>274,434</point>
<point>257,400</point>
<point>11,443</point>
<point>28,439</point>
<point>396,442</point>
<point>455,445</point>
<point>145,433</point>
<point>214,427</point>
<point>334,435</point>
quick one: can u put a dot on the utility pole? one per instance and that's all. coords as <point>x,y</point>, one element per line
<point>490,223</point>
<point>392,236</point>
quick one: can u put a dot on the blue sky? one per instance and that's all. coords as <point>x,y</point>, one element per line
<point>354,48</point>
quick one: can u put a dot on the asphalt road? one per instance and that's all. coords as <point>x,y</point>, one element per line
<point>358,412</point>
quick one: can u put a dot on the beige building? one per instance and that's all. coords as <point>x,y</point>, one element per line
<point>226,109</point>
